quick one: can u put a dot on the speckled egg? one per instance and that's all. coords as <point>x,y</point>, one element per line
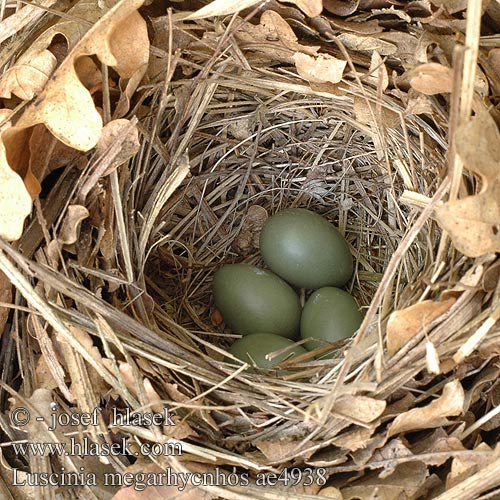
<point>253,300</point>
<point>255,347</point>
<point>330,314</point>
<point>305,249</point>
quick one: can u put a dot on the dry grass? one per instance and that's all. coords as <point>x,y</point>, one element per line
<point>214,145</point>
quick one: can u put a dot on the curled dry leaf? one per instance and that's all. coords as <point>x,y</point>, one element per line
<point>404,324</point>
<point>15,201</point>
<point>319,69</point>
<point>28,76</point>
<point>66,108</point>
<point>71,224</point>
<point>449,404</point>
<point>473,223</point>
<point>274,36</point>
<point>431,79</point>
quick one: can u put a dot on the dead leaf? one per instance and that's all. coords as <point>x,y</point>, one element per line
<point>319,69</point>
<point>449,404</point>
<point>451,6</point>
<point>273,36</point>
<point>66,108</point>
<point>367,44</point>
<point>278,450</point>
<point>354,439</point>
<point>71,224</point>
<point>368,113</point>
<point>341,8</point>
<point>389,456</point>
<point>431,79</point>
<point>405,483</point>
<point>29,75</point>
<point>361,408</point>
<point>435,446</point>
<point>404,324</point>
<point>15,201</point>
<point>473,222</point>
<point>462,468</point>
<point>311,8</point>
<point>129,145</point>
<point>377,73</point>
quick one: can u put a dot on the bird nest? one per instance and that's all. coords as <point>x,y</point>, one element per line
<point>121,318</point>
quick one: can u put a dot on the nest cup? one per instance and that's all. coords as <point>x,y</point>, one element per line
<point>250,160</point>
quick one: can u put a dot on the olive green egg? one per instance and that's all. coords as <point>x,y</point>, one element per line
<point>254,348</point>
<point>330,314</point>
<point>253,300</point>
<point>305,249</point>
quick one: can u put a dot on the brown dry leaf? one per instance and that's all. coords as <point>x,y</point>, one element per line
<point>389,456</point>
<point>273,36</point>
<point>66,107</point>
<point>341,8</point>
<point>367,43</point>
<point>367,113</point>
<point>46,154</point>
<point>361,408</point>
<point>473,223</point>
<point>431,79</point>
<point>462,468</point>
<point>319,69</point>
<point>404,324</point>
<point>27,77</point>
<point>129,145</point>
<point>377,73</point>
<point>404,484</point>
<point>71,224</point>
<point>311,8</point>
<point>15,201</point>
<point>354,439</point>
<point>451,6</point>
<point>277,451</point>
<point>449,404</point>
<point>435,447</point>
